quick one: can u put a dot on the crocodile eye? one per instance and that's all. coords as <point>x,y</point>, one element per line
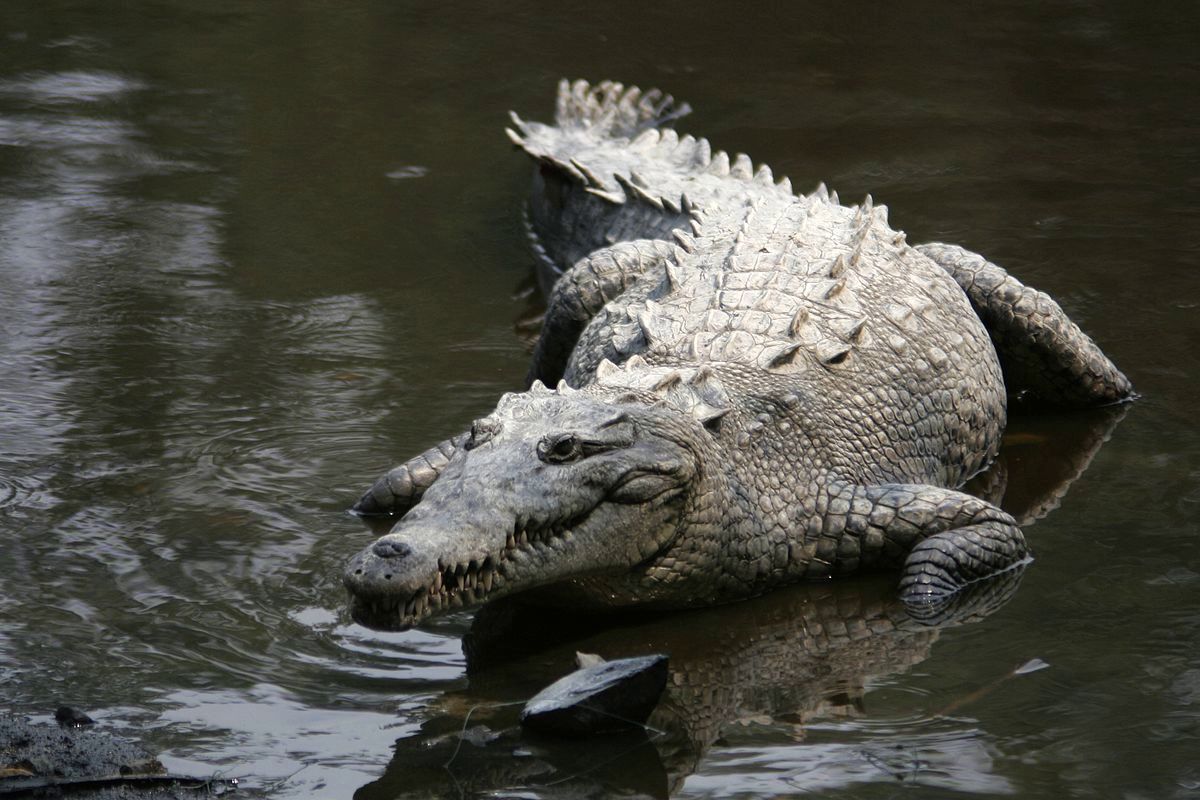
<point>559,449</point>
<point>482,430</point>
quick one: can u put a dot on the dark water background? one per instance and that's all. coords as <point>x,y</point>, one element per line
<point>253,254</point>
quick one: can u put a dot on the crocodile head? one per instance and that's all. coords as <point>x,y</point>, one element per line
<point>551,487</point>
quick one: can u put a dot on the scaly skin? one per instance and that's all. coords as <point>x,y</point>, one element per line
<point>784,390</point>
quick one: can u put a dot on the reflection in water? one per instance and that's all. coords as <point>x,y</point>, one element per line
<point>1041,457</point>
<point>793,660</point>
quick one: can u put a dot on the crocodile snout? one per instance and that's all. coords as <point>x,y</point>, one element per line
<point>390,548</point>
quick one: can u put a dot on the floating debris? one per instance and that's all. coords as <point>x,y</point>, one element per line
<point>1032,665</point>
<point>411,171</point>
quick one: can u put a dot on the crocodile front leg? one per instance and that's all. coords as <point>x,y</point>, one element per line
<point>1045,356</point>
<point>944,540</point>
<point>582,291</point>
<point>400,488</point>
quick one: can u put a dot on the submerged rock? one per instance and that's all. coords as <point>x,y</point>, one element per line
<point>72,717</point>
<point>603,697</point>
<point>47,760</point>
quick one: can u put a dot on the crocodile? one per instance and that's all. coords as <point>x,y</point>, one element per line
<point>751,387</point>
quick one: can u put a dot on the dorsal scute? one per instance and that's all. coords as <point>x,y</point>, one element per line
<point>742,167</point>
<point>616,144</point>
<point>610,108</point>
<point>634,191</point>
<point>832,351</point>
<point>782,357</point>
<point>628,337</point>
<point>696,391</point>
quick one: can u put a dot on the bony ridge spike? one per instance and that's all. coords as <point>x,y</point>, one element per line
<point>719,165</point>
<point>605,369</point>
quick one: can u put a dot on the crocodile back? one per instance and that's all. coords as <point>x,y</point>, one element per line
<point>817,320</point>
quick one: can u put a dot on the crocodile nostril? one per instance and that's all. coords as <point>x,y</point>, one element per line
<point>391,549</point>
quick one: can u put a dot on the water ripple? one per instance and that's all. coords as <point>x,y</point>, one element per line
<point>70,87</point>
<point>955,758</point>
<point>22,491</point>
<point>267,732</point>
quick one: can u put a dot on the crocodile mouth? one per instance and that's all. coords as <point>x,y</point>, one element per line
<point>461,584</point>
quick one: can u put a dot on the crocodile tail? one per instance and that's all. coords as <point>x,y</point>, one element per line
<point>585,185</point>
<point>610,109</point>
<point>605,111</point>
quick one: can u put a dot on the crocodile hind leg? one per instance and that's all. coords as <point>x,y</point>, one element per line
<point>1046,358</point>
<point>582,291</point>
<point>943,540</point>
<point>400,488</point>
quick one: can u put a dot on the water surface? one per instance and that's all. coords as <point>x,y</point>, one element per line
<point>251,255</point>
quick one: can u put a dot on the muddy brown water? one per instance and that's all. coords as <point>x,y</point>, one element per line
<point>253,254</point>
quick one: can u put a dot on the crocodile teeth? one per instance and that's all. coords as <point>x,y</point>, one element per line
<point>468,582</point>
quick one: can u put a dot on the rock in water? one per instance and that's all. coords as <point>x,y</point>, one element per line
<point>41,760</point>
<point>72,717</point>
<point>603,698</point>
